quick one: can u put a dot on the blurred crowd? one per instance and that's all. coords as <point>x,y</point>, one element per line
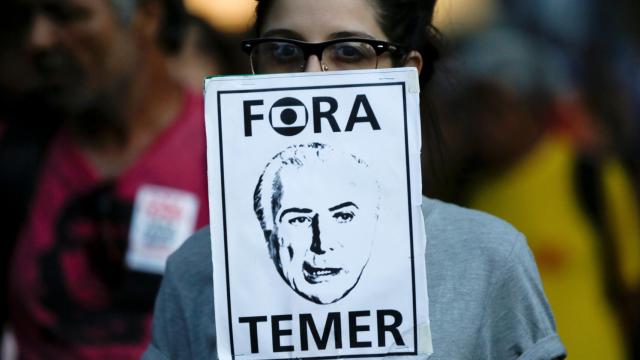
<point>102,166</point>
<point>540,115</point>
<point>101,101</point>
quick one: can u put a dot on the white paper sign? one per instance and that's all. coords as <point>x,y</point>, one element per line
<point>318,240</point>
<point>163,218</point>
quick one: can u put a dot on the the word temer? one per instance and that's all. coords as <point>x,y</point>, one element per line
<point>387,321</point>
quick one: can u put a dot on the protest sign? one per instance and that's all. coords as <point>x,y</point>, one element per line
<point>318,240</point>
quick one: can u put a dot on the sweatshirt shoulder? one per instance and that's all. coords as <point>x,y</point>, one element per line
<point>458,228</point>
<point>192,261</point>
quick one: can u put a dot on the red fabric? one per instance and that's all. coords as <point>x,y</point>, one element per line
<point>69,295</point>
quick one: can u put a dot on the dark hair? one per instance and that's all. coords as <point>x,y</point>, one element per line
<point>219,45</point>
<point>173,23</point>
<point>407,23</point>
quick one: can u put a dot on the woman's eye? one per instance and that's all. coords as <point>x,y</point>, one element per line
<point>285,52</point>
<point>348,52</point>
<point>299,220</point>
<point>352,52</point>
<point>343,217</point>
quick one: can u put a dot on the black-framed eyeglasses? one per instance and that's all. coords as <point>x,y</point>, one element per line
<point>278,55</point>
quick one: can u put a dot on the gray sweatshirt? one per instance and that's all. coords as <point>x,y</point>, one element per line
<point>485,296</point>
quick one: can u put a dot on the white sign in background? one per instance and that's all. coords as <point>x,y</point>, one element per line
<point>362,216</point>
<point>163,218</point>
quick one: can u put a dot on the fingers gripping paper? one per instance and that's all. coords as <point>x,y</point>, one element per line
<point>318,240</point>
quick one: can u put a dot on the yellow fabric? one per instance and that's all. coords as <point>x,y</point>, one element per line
<point>538,197</point>
<point>624,217</point>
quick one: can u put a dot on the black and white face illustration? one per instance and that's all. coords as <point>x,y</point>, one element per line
<point>319,220</point>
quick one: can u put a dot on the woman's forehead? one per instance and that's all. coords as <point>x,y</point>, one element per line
<point>315,20</point>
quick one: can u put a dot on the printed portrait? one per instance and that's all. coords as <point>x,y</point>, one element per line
<point>318,209</point>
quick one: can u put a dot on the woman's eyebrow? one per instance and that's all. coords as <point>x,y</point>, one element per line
<point>350,34</point>
<point>296,210</point>
<point>282,33</point>
<point>343,205</point>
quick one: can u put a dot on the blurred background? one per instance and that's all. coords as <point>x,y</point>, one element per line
<point>538,105</point>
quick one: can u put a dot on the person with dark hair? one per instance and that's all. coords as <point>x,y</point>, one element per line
<point>485,296</point>
<point>127,126</point>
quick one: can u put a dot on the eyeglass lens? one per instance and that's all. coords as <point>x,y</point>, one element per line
<point>279,57</point>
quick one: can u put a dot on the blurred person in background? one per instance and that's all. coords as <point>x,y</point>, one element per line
<point>127,124</point>
<point>612,93</point>
<point>601,40</point>
<point>25,129</point>
<point>525,145</point>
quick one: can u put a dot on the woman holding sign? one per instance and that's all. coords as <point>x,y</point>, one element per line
<point>485,296</point>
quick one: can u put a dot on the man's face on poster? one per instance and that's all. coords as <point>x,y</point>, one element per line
<point>323,228</point>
